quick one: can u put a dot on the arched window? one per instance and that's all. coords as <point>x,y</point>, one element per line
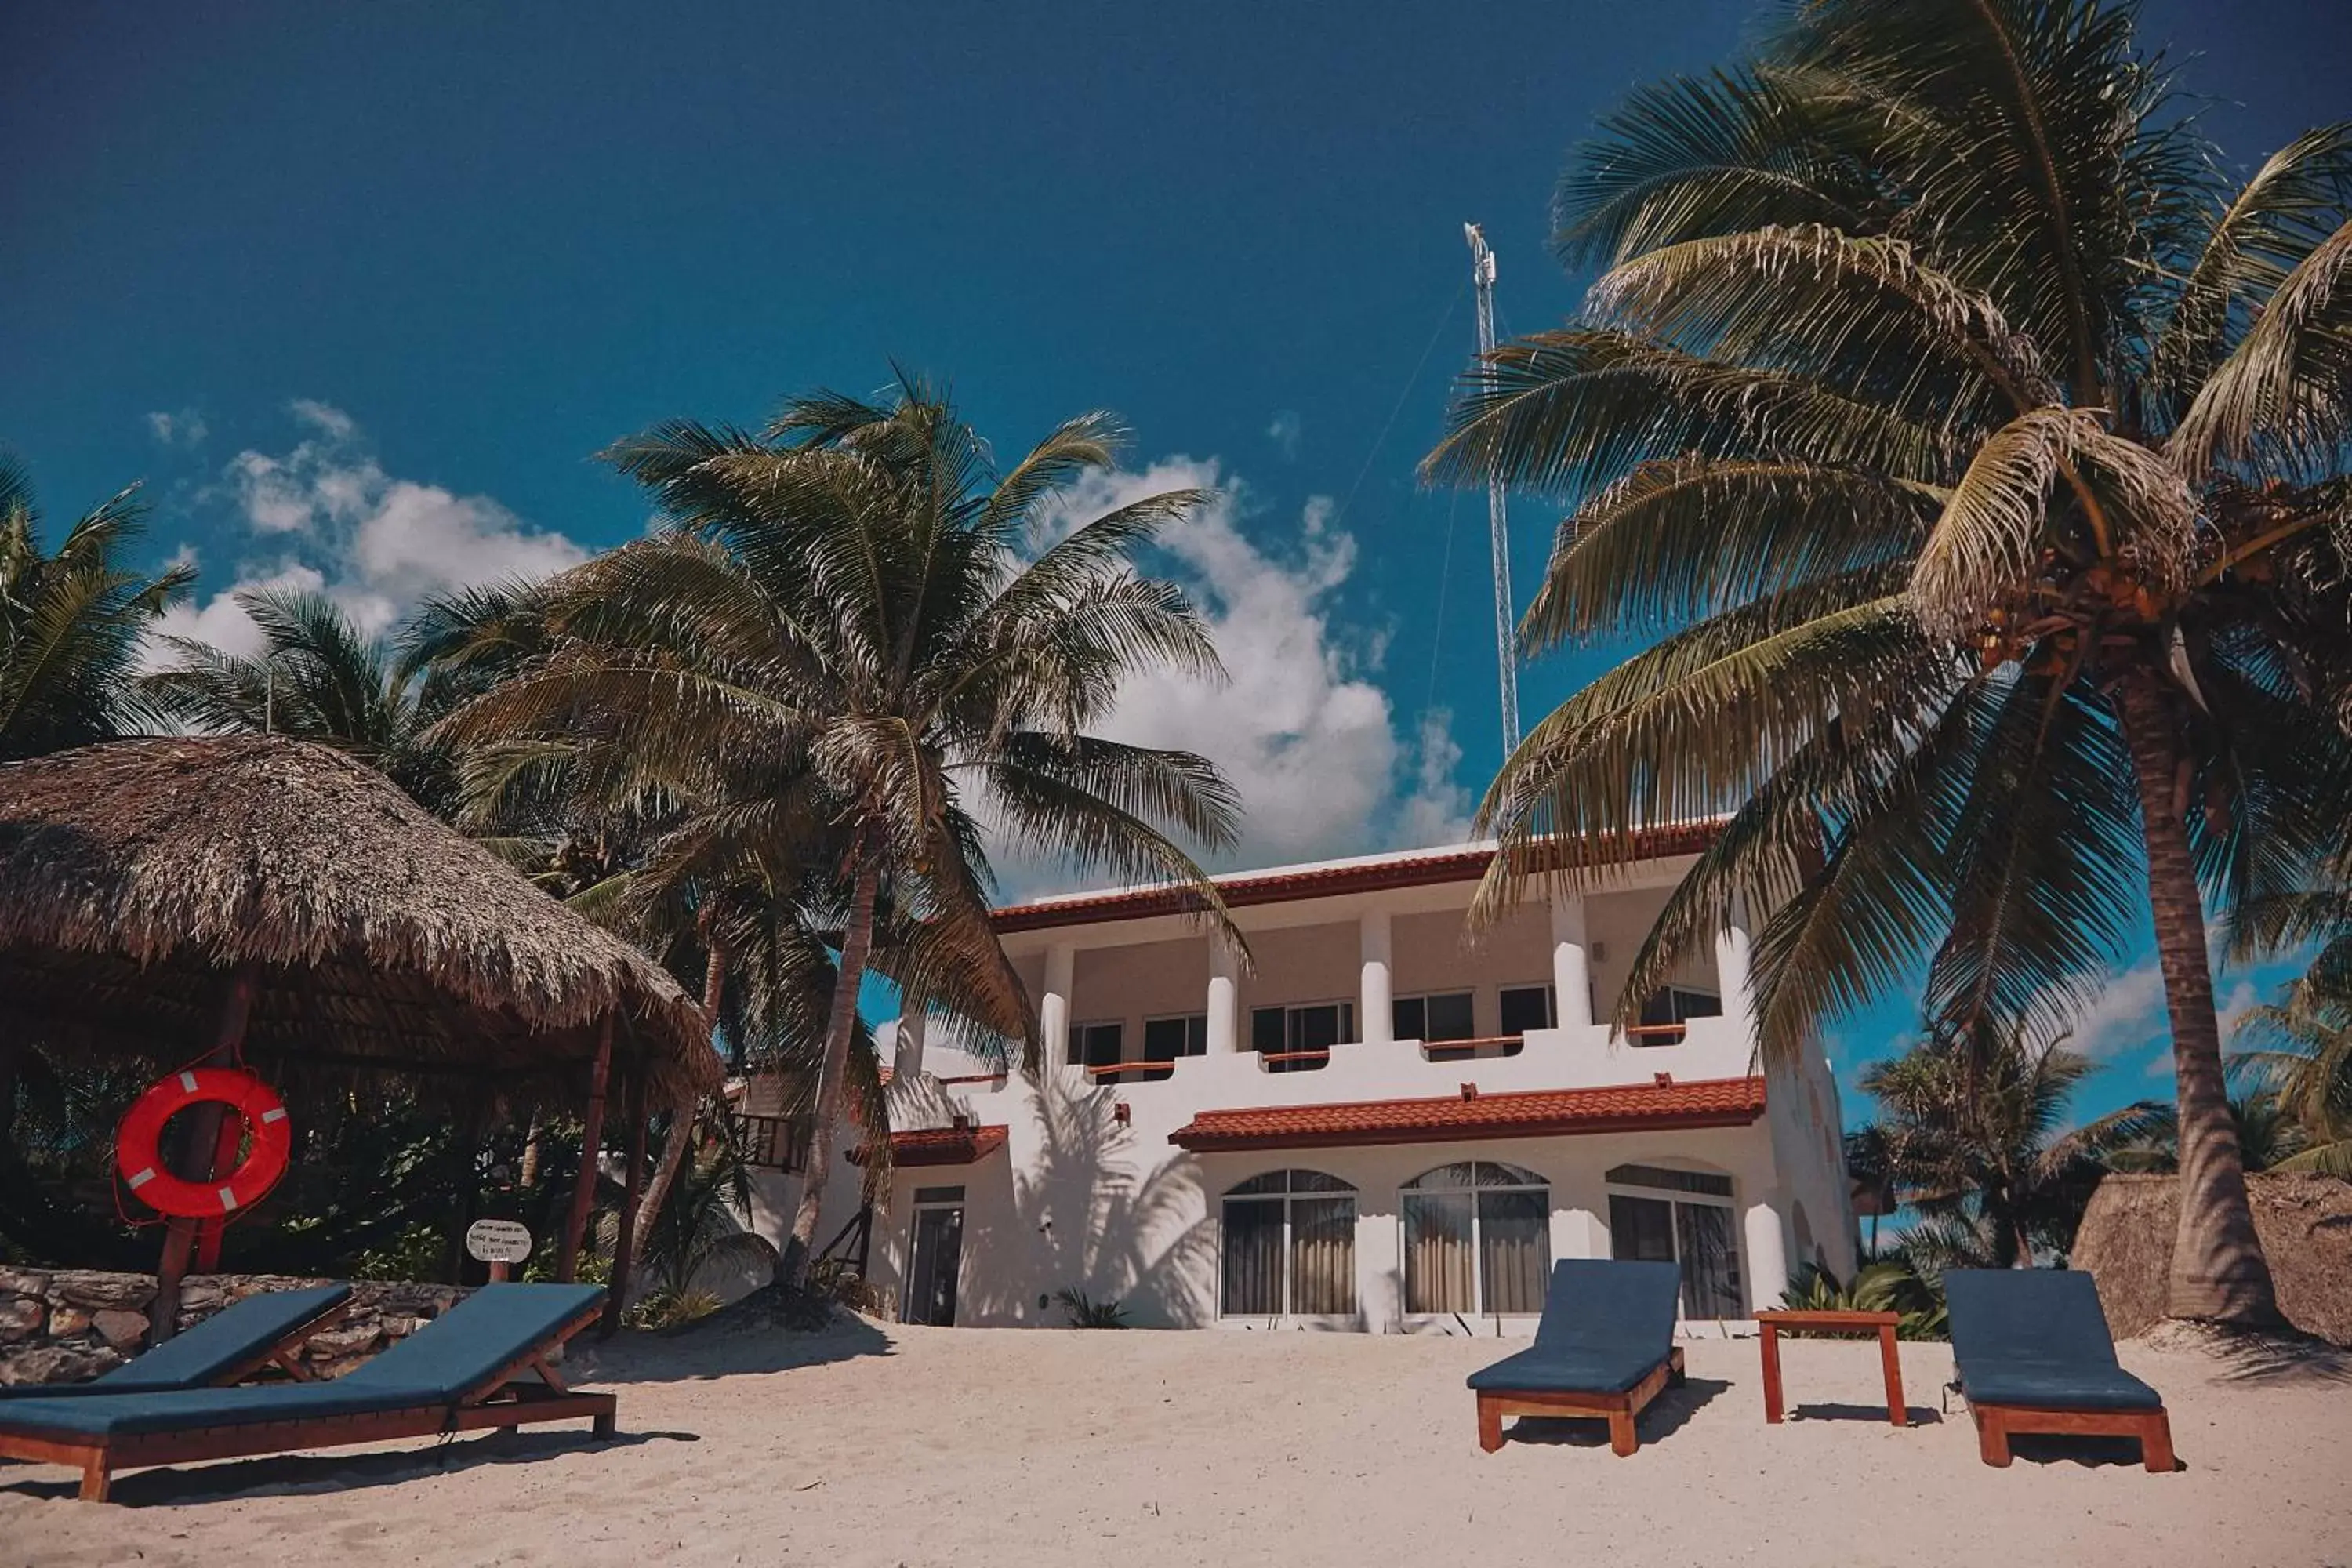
<point>1477,1238</point>
<point>1290,1247</point>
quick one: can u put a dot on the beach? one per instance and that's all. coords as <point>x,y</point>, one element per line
<point>881,1444</point>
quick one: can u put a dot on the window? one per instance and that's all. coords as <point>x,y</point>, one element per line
<point>1692,1229</point>
<point>1527,1007</point>
<point>1445,1016</point>
<point>1290,1247</point>
<point>1165,1039</point>
<point>1300,1032</point>
<point>773,1143</point>
<point>1668,1009</point>
<point>1477,1238</point>
<point>1095,1045</point>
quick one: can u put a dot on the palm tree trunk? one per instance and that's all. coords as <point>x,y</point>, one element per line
<point>527,1175</point>
<point>793,1272</point>
<point>681,1124</point>
<point>2219,1271</point>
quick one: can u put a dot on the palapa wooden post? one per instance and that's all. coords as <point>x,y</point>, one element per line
<point>180,1234</point>
<point>591,1134</point>
<point>624,1248</point>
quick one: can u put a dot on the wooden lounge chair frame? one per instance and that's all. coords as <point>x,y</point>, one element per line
<point>497,1401</point>
<point>1996,1423</point>
<point>1620,1410</point>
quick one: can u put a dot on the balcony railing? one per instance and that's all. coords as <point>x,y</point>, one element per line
<point>1478,1046</point>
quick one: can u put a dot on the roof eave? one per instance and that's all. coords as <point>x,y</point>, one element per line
<point>1214,1142</point>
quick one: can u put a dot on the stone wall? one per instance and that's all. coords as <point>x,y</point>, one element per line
<point>68,1325</point>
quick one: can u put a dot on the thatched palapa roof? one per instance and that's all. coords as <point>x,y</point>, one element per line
<point>137,878</point>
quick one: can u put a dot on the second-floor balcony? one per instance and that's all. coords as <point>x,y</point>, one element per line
<point>1385,995</point>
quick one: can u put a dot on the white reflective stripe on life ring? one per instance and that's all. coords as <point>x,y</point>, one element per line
<point>188,1081</point>
<point>228,1199</point>
<point>142,1178</point>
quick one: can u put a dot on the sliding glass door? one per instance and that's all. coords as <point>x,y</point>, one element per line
<point>1686,1219</point>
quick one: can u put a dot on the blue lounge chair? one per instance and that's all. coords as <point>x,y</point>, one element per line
<point>226,1348</point>
<point>454,1374</point>
<point>1604,1348</point>
<point>2034,1354</point>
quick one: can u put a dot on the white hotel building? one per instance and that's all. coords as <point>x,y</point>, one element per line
<point>1374,1124</point>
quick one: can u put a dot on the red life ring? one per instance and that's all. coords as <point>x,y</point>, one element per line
<point>138,1144</point>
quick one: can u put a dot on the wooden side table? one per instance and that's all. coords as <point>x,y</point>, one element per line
<point>1773,1324</point>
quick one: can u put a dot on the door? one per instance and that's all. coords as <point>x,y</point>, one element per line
<point>935,1254</point>
<point>1697,1238</point>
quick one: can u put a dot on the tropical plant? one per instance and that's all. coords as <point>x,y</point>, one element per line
<point>1885,1286</point>
<point>1976,1144</point>
<point>317,677</point>
<point>701,1228</point>
<point>697,1230</point>
<point>2268,1135</point>
<point>1978,452</point>
<point>2300,1052</point>
<point>1083,1312</point>
<point>837,662</point>
<point>72,625</point>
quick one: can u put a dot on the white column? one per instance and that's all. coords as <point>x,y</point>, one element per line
<point>1225,1037</point>
<point>1375,1017</point>
<point>1768,1255</point>
<point>907,1049</point>
<point>1054,1007</point>
<point>1731,969</point>
<point>1572,962</point>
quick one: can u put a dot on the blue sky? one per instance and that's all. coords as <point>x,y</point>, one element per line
<point>358,291</point>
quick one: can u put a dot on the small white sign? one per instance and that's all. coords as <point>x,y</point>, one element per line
<point>498,1240</point>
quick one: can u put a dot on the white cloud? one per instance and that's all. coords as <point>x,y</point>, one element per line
<point>1310,744</point>
<point>324,418</point>
<point>221,621</point>
<point>2128,1015</point>
<point>185,428</point>
<point>331,520</point>
<point>1285,432</point>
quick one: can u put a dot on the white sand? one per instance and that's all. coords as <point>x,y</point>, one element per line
<point>1043,1448</point>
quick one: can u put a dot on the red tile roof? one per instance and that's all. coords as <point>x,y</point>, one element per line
<point>939,1146</point>
<point>1284,886</point>
<point>1711,1102</point>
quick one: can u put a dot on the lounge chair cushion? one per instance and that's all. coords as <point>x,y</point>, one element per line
<point>459,1354</point>
<point>1605,1326</point>
<point>473,1341</point>
<point>1543,1370</point>
<point>2037,1337</point>
<point>207,1351</point>
<point>181,1409</point>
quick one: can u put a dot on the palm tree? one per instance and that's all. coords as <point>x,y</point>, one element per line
<point>1978,452</point>
<point>72,625</point>
<point>1976,1143</point>
<point>2268,1135</point>
<point>2299,1051</point>
<point>318,677</point>
<point>840,661</point>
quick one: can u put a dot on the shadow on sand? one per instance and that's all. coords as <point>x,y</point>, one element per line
<point>2090,1453</point>
<point>724,1344</point>
<point>1829,1410</point>
<point>172,1486</point>
<point>1665,1415</point>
